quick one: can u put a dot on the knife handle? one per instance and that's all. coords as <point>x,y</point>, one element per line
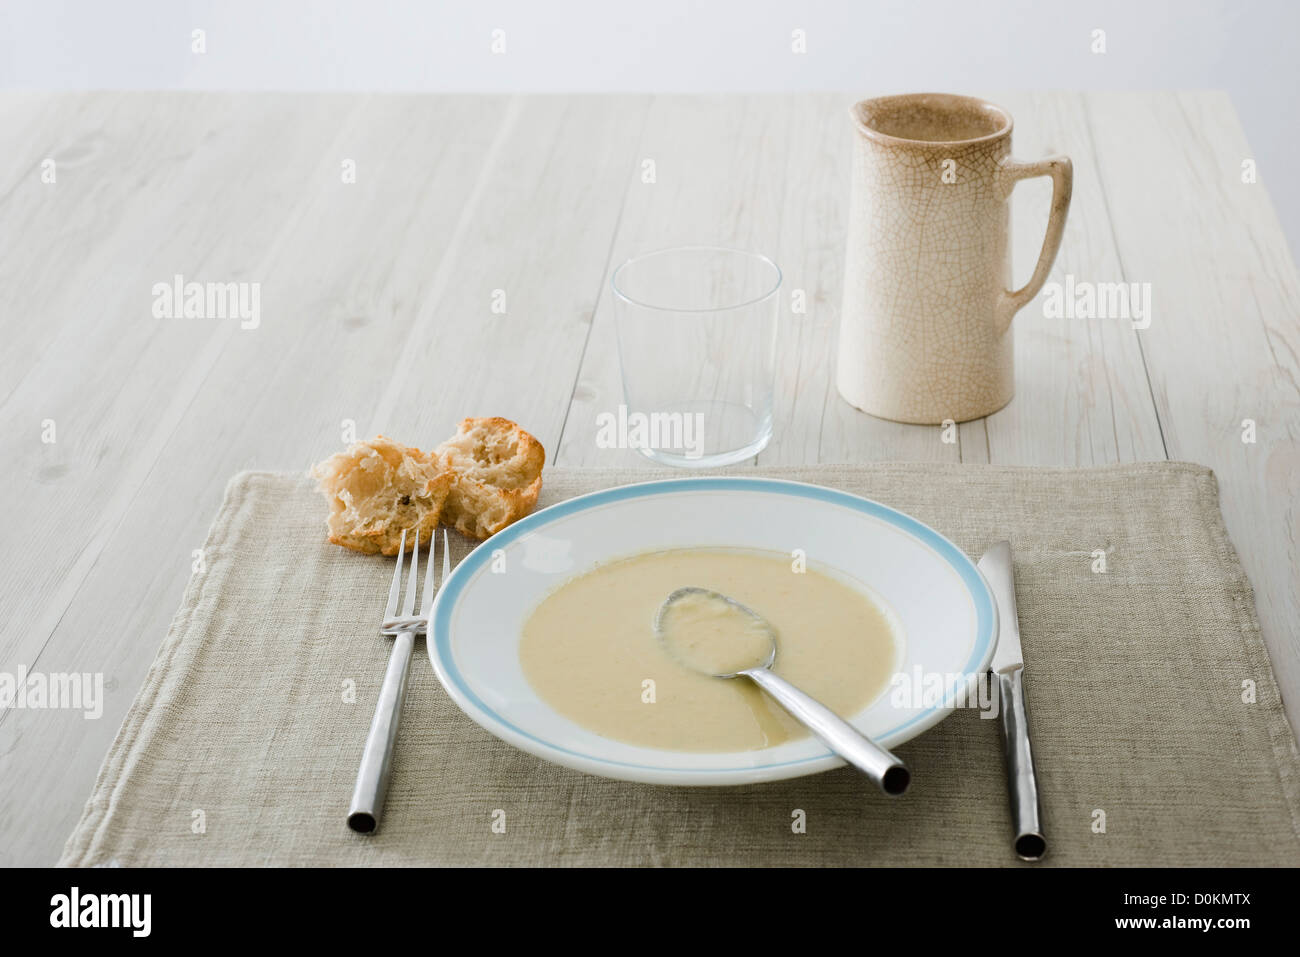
<point>1022,783</point>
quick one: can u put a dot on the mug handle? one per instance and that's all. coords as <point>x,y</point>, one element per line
<point>1062,172</point>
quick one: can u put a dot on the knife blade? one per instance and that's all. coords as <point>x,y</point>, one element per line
<point>1007,668</point>
<point>997,569</point>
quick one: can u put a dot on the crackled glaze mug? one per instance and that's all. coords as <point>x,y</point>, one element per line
<point>925,324</point>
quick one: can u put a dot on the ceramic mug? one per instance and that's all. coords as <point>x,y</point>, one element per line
<point>925,324</point>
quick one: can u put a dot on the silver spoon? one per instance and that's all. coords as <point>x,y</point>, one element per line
<point>848,742</point>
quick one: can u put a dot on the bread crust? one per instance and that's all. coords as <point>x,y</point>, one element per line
<point>497,475</point>
<point>486,476</point>
<point>377,489</point>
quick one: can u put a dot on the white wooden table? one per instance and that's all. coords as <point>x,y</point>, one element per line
<point>377,307</point>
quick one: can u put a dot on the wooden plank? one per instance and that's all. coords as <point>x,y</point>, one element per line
<point>58,236</point>
<point>1224,337</point>
<point>541,235</point>
<point>114,379</point>
<point>1082,396</point>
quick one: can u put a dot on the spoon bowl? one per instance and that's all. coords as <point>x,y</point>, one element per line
<point>720,620</point>
<point>760,626</point>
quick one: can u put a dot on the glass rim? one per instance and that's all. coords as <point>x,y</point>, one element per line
<point>642,257</point>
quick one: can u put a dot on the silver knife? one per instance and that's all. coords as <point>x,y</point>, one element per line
<point>1007,669</point>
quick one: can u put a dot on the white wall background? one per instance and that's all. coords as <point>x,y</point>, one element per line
<point>1248,47</point>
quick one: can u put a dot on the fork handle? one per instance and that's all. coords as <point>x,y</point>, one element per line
<point>377,758</point>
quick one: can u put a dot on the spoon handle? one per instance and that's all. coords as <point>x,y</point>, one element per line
<point>848,742</point>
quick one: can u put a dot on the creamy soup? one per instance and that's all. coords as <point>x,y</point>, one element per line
<point>591,652</point>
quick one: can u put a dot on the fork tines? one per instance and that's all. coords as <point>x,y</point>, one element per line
<point>408,619</point>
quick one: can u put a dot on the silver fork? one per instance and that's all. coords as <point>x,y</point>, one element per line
<point>377,758</point>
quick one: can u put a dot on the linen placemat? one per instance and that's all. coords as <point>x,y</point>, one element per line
<point>243,744</point>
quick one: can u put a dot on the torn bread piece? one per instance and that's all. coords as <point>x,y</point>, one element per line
<point>377,489</point>
<point>497,469</point>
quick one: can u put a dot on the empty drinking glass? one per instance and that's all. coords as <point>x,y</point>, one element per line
<point>697,346</point>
